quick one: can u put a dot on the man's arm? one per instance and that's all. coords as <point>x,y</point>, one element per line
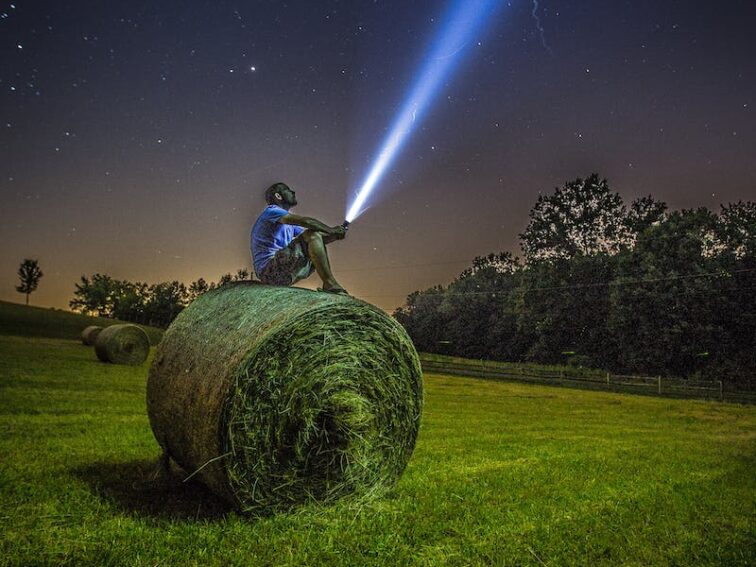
<point>313,224</point>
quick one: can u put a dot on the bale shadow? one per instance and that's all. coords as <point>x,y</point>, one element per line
<point>131,487</point>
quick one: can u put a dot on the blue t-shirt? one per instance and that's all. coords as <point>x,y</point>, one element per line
<point>269,236</point>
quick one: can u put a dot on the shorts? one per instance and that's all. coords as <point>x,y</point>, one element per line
<point>289,265</point>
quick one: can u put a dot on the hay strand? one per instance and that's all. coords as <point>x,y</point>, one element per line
<point>122,344</point>
<point>89,334</point>
<point>275,396</point>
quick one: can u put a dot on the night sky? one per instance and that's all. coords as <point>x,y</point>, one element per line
<point>137,138</point>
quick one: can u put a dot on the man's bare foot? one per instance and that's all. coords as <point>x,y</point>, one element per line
<point>338,290</point>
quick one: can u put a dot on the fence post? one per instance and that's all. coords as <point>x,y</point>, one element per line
<point>721,391</point>
<point>658,380</point>
<point>607,377</point>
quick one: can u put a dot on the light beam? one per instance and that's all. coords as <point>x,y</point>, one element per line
<point>464,19</point>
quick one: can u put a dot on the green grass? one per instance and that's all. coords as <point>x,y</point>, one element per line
<point>17,319</point>
<point>503,474</point>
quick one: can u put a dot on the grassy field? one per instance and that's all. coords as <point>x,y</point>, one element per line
<point>16,319</point>
<point>503,474</point>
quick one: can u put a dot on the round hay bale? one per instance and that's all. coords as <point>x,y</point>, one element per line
<point>122,344</point>
<point>89,334</point>
<point>276,396</point>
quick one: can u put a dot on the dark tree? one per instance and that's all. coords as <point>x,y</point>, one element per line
<point>224,279</point>
<point>424,320</point>
<point>241,274</point>
<point>94,295</point>
<point>197,288</point>
<point>582,217</point>
<point>129,301</point>
<point>166,301</point>
<point>640,290</point>
<point>156,304</point>
<point>29,274</point>
<point>664,299</point>
<point>544,316</point>
<point>563,307</point>
<point>479,308</point>
<point>736,230</point>
<point>733,252</point>
<point>645,212</point>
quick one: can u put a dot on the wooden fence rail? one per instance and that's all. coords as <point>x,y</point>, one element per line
<point>587,379</point>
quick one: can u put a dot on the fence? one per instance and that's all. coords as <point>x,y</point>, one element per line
<point>586,379</point>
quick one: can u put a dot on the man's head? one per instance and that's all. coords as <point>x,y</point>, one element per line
<point>280,194</point>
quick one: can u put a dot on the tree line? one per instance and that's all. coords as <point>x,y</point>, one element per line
<point>630,289</point>
<point>156,305</point>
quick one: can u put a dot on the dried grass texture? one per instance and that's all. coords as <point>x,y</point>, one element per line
<point>89,334</point>
<point>122,344</point>
<point>276,396</point>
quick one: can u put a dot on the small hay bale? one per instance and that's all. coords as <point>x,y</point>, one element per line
<point>122,344</point>
<point>275,396</point>
<point>89,334</point>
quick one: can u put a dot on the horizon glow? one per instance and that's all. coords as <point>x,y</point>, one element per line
<point>463,19</point>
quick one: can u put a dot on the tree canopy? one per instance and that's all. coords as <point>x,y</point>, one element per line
<point>29,273</point>
<point>155,304</point>
<point>625,288</point>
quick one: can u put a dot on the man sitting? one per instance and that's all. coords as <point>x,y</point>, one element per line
<point>286,247</point>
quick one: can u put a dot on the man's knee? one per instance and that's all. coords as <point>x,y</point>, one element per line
<point>312,236</point>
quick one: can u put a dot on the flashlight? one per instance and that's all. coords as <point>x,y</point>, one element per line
<point>346,224</point>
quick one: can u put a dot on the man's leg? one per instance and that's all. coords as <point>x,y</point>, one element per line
<point>316,249</point>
